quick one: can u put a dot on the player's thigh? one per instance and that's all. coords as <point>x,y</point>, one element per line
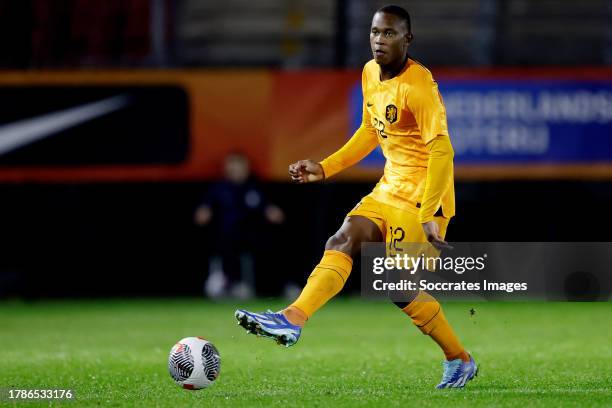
<point>405,236</point>
<point>362,224</point>
<point>405,226</point>
<point>372,210</point>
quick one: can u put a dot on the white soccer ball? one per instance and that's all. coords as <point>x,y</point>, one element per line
<point>194,363</point>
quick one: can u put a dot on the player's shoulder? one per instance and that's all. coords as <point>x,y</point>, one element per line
<point>417,72</point>
<point>370,69</point>
<point>417,78</point>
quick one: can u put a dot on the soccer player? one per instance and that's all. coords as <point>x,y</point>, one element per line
<point>403,112</point>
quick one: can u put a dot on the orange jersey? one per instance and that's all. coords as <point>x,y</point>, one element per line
<point>401,115</point>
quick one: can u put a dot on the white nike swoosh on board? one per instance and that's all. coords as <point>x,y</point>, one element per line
<point>23,132</point>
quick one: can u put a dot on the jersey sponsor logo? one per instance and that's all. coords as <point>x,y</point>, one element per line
<point>391,113</point>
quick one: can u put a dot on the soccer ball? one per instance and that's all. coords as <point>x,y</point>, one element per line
<point>194,363</point>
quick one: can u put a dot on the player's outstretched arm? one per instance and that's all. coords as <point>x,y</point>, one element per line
<point>359,146</point>
<point>306,171</point>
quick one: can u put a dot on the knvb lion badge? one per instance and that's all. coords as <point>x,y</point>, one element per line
<point>391,113</point>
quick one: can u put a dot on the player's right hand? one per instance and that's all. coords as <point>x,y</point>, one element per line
<point>306,171</point>
<point>432,232</point>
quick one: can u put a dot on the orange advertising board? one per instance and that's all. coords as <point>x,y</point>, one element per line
<point>274,117</point>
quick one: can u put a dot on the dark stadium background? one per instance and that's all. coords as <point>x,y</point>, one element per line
<point>68,237</point>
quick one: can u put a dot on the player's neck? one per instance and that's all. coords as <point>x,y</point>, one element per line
<point>392,70</point>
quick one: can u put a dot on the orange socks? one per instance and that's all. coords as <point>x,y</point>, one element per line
<point>295,316</point>
<point>328,278</point>
<point>325,281</point>
<point>426,313</point>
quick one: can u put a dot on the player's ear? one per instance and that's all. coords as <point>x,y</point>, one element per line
<point>409,38</point>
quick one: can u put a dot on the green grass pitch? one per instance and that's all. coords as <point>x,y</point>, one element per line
<point>353,353</point>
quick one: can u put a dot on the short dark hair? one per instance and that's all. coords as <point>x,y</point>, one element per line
<point>399,12</point>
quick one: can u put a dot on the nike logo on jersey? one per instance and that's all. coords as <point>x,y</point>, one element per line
<point>23,132</point>
<point>369,104</point>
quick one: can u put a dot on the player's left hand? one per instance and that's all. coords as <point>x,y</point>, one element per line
<point>432,232</point>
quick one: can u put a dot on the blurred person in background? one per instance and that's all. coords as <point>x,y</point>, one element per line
<point>235,210</point>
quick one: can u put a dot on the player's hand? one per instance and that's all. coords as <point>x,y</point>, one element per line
<point>432,232</point>
<point>306,171</point>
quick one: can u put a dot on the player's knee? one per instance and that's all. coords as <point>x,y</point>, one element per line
<point>343,242</point>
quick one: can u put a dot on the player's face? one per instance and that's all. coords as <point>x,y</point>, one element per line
<point>388,39</point>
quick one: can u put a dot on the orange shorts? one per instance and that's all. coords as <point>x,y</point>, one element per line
<point>398,226</point>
